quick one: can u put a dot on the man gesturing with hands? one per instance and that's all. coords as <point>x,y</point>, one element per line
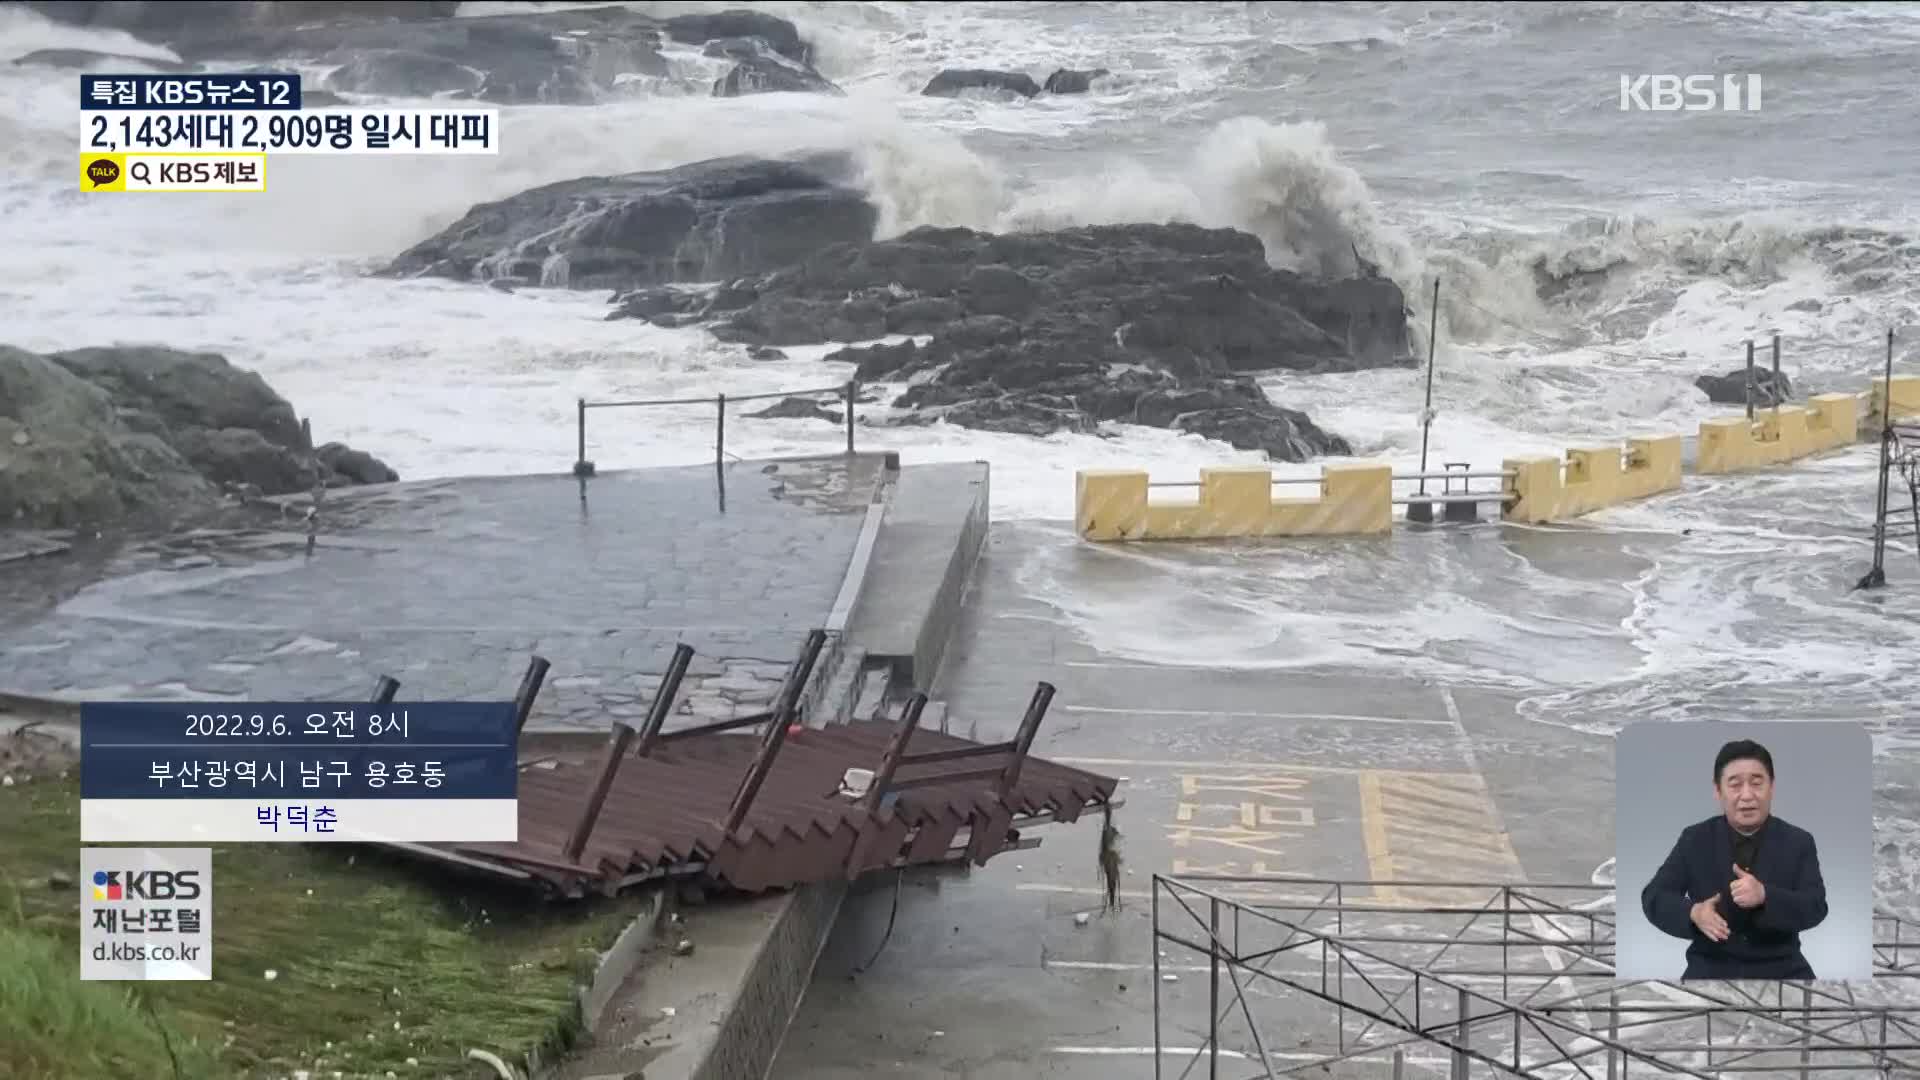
<point>1743,885</point>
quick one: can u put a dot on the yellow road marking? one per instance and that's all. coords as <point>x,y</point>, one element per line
<point>1422,825</point>
<point>1246,766</point>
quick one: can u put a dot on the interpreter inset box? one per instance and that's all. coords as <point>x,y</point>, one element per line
<point>1744,851</point>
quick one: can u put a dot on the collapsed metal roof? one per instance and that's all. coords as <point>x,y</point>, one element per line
<point>772,809</point>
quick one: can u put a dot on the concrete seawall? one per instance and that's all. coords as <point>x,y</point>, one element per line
<point>1355,499</point>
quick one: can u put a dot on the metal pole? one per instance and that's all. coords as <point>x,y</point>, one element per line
<point>1778,393</point>
<point>617,743</point>
<point>1749,380</point>
<point>1213,991</point>
<point>1460,1058</point>
<point>1156,979</point>
<point>529,689</point>
<point>582,468</point>
<point>1399,1064</point>
<point>776,734</point>
<point>384,690</point>
<point>658,710</point>
<point>1426,414</point>
<point>1806,1039</point>
<point>853,391</point>
<point>1877,576</point>
<point>1613,1033</point>
<point>720,433</point>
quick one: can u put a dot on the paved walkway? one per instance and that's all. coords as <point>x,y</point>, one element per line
<point>449,586</point>
<point>1232,770</point>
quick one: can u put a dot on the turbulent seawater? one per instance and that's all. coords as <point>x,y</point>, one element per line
<point>1592,262</point>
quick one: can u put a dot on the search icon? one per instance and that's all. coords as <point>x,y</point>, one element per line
<point>140,172</point>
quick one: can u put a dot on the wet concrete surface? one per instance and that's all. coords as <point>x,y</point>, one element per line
<point>450,586</point>
<point>989,974</point>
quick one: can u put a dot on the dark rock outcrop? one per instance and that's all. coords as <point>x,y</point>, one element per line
<point>793,408</point>
<point>571,56</point>
<point>355,466</point>
<point>1731,388</point>
<point>955,81</point>
<point>701,222</point>
<point>1071,81</point>
<point>81,59</point>
<point>1161,325</point>
<point>759,69</point>
<point>95,435</point>
<point>168,20</point>
<point>403,73</point>
<point>779,34</point>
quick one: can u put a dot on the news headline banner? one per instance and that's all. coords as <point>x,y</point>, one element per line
<point>240,90</point>
<point>195,772</point>
<point>321,131</point>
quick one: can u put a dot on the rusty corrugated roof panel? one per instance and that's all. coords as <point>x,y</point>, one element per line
<point>665,812</point>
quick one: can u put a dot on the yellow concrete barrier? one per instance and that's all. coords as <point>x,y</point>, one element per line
<point>1591,478</point>
<point>1906,401</point>
<point>1113,504</point>
<point>1731,444</point>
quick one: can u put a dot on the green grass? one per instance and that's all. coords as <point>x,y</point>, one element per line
<point>376,961</point>
<point>55,1026</point>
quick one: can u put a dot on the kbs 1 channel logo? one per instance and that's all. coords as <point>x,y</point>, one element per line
<point>115,886</point>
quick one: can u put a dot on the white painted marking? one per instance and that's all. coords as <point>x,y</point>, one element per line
<point>1345,718</point>
<point>1129,665</point>
<point>1244,766</point>
<point>1189,1051</point>
<point>1231,890</point>
<point>1374,972</point>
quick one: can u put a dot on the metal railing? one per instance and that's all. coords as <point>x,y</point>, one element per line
<point>1550,1005</point>
<point>848,393</point>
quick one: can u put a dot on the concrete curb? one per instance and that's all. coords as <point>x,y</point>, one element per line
<point>939,517</point>
<point>66,710</point>
<point>619,961</point>
<point>616,964</point>
<point>931,645</point>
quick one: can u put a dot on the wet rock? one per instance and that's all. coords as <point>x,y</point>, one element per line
<point>772,74</point>
<point>568,56</point>
<point>83,466</point>
<point>711,219</point>
<point>955,81</point>
<point>779,34</point>
<point>1039,332</point>
<point>794,408</point>
<point>355,466</point>
<point>1071,81</point>
<point>765,352</point>
<point>156,20</point>
<point>401,73</point>
<point>84,59</point>
<point>244,457</point>
<point>143,431</point>
<point>1731,388</point>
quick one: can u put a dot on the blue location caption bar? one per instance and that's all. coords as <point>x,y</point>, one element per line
<point>228,92</point>
<point>277,750</point>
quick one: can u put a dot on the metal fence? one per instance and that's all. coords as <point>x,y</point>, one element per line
<point>1518,981</point>
<point>847,393</point>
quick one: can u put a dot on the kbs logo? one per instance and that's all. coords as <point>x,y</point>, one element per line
<point>116,885</point>
<point>1689,93</point>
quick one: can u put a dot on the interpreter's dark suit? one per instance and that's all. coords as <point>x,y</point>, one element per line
<point>1763,942</point>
